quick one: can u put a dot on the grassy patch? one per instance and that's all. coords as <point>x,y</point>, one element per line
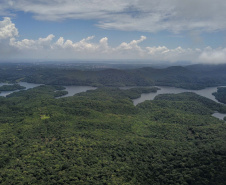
<point>43,117</point>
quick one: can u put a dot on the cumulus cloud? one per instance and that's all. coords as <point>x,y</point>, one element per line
<point>133,45</point>
<point>163,53</point>
<point>213,56</point>
<point>32,44</point>
<point>140,15</point>
<point>83,45</point>
<point>104,47</point>
<point>7,29</point>
<point>157,50</point>
<point>59,48</point>
<point>85,49</point>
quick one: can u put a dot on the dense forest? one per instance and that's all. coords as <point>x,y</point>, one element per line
<point>188,77</point>
<point>221,94</point>
<point>100,137</point>
<point>11,87</point>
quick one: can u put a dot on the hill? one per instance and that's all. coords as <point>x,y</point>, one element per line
<point>100,137</point>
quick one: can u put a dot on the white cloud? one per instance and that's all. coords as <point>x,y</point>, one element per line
<point>104,47</point>
<point>7,29</point>
<point>140,15</point>
<point>85,49</point>
<point>82,45</point>
<point>157,50</point>
<point>163,53</point>
<point>213,56</point>
<point>49,48</point>
<point>60,42</point>
<point>41,43</point>
<point>131,48</point>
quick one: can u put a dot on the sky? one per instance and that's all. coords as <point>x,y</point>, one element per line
<point>151,31</point>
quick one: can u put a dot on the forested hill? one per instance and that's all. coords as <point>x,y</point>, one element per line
<point>100,137</point>
<point>190,77</point>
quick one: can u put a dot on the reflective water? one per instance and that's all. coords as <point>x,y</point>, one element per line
<point>72,90</point>
<point>25,84</point>
<point>207,92</point>
<point>219,115</point>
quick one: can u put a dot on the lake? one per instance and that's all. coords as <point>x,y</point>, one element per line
<point>72,90</point>
<point>207,92</point>
<point>219,115</point>
<point>25,84</point>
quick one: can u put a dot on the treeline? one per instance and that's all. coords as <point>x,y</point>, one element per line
<point>11,87</point>
<point>221,94</point>
<point>100,137</point>
<point>190,77</point>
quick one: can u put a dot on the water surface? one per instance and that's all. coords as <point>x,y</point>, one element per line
<point>207,92</point>
<point>219,115</point>
<point>25,84</point>
<point>72,90</point>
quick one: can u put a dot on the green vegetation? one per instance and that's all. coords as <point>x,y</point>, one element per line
<point>100,137</point>
<point>43,117</point>
<point>134,93</point>
<point>59,88</point>
<point>18,80</point>
<point>60,93</point>
<point>221,94</point>
<point>11,87</point>
<point>189,77</point>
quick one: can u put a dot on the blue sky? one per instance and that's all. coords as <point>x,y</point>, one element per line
<point>142,30</point>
